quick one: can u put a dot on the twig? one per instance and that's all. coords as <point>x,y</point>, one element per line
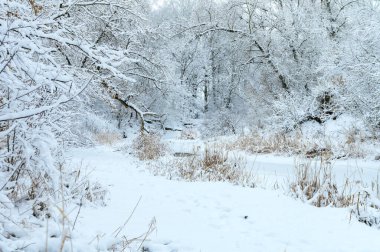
<point>150,230</point>
<point>118,230</point>
<point>80,207</point>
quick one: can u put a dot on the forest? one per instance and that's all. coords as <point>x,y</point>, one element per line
<point>282,77</point>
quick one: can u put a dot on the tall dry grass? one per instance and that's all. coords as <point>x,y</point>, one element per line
<point>277,143</point>
<point>349,144</point>
<point>148,146</point>
<point>211,164</point>
<point>314,183</point>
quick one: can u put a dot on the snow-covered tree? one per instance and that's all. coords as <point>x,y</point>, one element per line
<point>57,60</point>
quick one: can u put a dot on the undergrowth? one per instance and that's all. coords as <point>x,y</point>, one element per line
<point>211,164</point>
<point>349,144</point>
<point>256,143</point>
<point>148,146</point>
<point>52,212</point>
<point>314,183</point>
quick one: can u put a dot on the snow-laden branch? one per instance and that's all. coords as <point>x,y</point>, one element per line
<point>107,62</point>
<point>7,131</point>
<point>31,112</point>
<point>115,94</point>
<point>117,4</point>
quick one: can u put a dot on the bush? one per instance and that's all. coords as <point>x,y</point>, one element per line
<point>148,146</point>
<point>107,138</point>
<point>99,130</point>
<point>366,207</point>
<point>214,164</point>
<point>343,143</point>
<point>280,143</point>
<point>314,184</point>
<point>25,209</point>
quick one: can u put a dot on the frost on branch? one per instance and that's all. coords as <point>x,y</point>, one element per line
<point>115,94</point>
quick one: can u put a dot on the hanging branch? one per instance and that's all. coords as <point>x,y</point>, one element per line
<point>115,94</point>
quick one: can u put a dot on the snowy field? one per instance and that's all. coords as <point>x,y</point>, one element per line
<point>206,216</point>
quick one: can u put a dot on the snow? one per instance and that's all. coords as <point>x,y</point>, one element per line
<point>315,79</point>
<point>205,216</point>
<point>280,168</point>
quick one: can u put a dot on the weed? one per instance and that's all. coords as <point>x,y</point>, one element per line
<point>148,146</point>
<point>279,143</point>
<point>314,183</point>
<point>213,164</point>
<point>107,138</point>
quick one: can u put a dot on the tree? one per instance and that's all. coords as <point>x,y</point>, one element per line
<point>53,58</point>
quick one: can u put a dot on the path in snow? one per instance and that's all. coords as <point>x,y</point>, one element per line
<point>211,216</point>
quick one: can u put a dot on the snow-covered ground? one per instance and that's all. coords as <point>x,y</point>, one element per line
<point>278,169</point>
<point>207,216</point>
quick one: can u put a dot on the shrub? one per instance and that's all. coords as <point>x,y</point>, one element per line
<point>148,146</point>
<point>256,143</point>
<point>24,208</point>
<point>366,207</point>
<point>345,144</point>
<point>214,164</point>
<point>314,184</point>
<point>107,138</point>
<point>352,145</point>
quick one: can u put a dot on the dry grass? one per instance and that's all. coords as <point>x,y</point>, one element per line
<point>313,183</point>
<point>189,134</point>
<point>148,146</point>
<point>350,145</point>
<point>78,186</point>
<point>367,204</point>
<point>277,143</point>
<point>213,164</point>
<point>34,195</point>
<point>107,138</point>
<point>353,145</point>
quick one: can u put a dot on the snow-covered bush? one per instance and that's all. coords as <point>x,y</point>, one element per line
<point>100,130</point>
<point>262,143</point>
<point>314,183</point>
<point>148,146</point>
<point>366,207</point>
<point>292,110</point>
<point>34,90</point>
<point>213,164</point>
<point>289,111</point>
<point>51,215</point>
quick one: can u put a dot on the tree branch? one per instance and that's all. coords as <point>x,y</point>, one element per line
<point>141,114</point>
